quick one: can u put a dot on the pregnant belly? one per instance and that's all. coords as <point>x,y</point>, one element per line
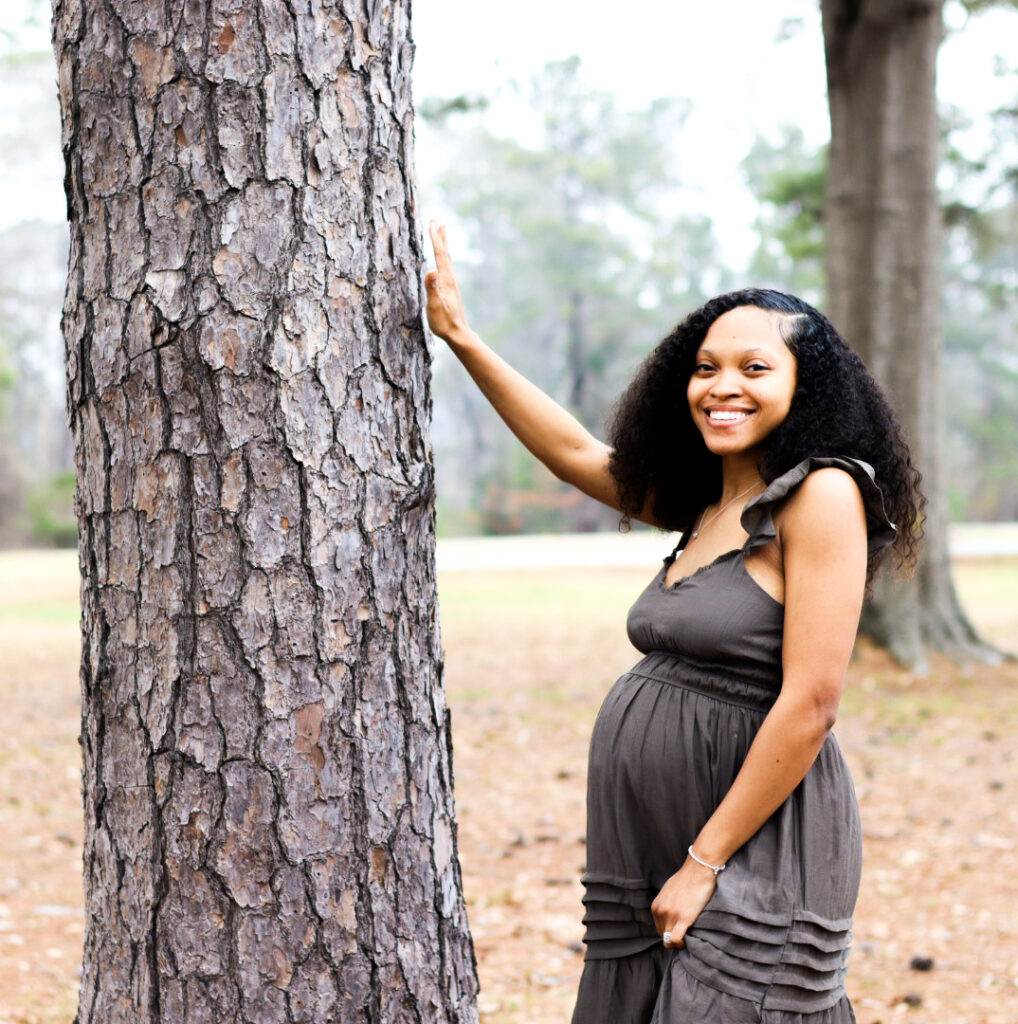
<point>662,757</point>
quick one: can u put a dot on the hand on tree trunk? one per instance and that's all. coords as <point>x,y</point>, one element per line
<point>446,316</point>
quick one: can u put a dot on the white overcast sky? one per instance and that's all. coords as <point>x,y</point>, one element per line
<point>723,56</point>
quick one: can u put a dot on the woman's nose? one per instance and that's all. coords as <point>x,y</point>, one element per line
<point>726,383</point>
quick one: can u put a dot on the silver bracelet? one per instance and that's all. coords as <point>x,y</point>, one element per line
<point>717,871</point>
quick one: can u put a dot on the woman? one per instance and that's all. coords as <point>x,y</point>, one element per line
<point>724,845</point>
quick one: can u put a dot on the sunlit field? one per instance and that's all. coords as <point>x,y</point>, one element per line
<point>529,653</point>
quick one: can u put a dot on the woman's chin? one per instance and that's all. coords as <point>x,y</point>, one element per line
<point>732,446</point>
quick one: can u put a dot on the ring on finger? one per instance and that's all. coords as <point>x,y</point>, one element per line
<point>666,939</point>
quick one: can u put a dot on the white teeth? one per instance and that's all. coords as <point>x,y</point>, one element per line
<point>724,414</point>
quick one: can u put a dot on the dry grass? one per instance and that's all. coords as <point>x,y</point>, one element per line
<point>40,811</point>
<point>529,655</point>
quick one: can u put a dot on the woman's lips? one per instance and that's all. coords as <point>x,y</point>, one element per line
<point>728,417</point>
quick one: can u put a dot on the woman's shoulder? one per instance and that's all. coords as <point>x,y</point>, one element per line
<point>838,493</point>
<point>826,489</point>
<point>825,506</point>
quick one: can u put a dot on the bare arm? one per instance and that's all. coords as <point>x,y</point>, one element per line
<point>823,531</point>
<point>547,430</point>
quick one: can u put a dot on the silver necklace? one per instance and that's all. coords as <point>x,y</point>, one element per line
<point>703,525</point>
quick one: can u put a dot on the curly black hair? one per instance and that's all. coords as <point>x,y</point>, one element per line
<point>837,409</point>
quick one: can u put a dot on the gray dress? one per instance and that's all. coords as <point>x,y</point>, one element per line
<point>770,947</point>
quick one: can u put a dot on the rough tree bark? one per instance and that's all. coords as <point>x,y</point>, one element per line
<point>268,803</point>
<point>883,225</point>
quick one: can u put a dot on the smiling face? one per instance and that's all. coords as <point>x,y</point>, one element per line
<point>742,382</point>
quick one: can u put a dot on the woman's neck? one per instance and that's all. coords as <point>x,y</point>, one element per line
<point>738,473</point>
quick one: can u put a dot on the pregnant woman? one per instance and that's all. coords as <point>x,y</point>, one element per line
<point>723,837</point>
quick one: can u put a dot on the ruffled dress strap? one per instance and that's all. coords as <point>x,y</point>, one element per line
<point>758,515</point>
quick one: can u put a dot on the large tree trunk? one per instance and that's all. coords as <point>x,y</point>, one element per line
<point>268,791</point>
<point>883,225</point>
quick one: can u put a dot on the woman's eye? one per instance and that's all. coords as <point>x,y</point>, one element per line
<point>703,368</point>
<point>757,367</point>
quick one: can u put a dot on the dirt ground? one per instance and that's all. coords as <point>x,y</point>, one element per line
<point>528,656</point>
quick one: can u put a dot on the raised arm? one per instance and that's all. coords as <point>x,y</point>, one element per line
<point>547,430</point>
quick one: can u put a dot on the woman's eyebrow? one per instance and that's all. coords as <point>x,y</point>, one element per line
<point>744,352</point>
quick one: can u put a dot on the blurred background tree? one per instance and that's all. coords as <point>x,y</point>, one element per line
<point>980,297</point>
<point>917,280</point>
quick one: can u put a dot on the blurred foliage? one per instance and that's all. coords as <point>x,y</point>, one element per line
<point>7,379</point>
<point>579,246</point>
<point>582,245</point>
<point>437,109</point>
<point>10,467</point>
<point>49,512</point>
<point>34,442</point>
<point>980,192</point>
<point>582,249</point>
<point>32,24</point>
<point>981,357</point>
<point>788,179</point>
<point>977,6</point>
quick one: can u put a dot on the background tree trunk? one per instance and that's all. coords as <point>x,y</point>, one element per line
<point>883,221</point>
<point>268,790</point>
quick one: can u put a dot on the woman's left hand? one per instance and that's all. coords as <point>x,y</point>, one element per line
<point>681,899</point>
